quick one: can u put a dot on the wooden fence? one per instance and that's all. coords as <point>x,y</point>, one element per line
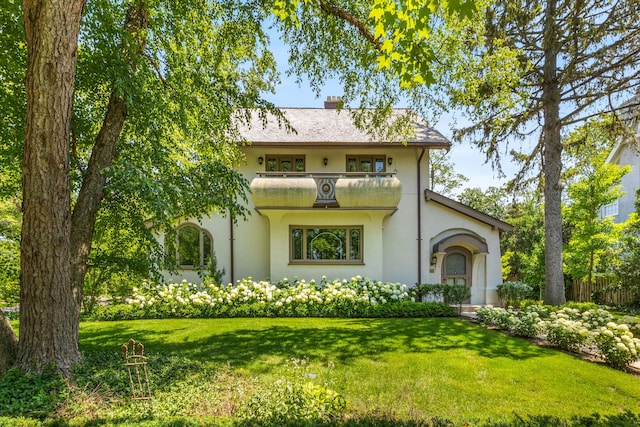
<point>612,292</point>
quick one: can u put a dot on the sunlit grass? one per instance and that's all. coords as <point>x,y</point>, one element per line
<point>413,368</point>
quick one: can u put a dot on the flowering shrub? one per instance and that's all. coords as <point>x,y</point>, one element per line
<point>572,329</point>
<point>633,322</point>
<point>565,332</point>
<point>488,314</point>
<point>528,324</point>
<point>595,318</point>
<point>617,344</point>
<point>358,297</point>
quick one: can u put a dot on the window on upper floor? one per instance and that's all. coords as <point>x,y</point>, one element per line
<point>366,163</point>
<point>193,247</point>
<point>325,245</point>
<point>609,210</point>
<point>285,163</point>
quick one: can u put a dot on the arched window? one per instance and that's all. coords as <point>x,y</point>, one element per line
<point>194,246</point>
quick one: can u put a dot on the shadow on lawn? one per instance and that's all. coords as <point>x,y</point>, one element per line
<point>341,340</point>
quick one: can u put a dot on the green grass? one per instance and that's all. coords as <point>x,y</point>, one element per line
<point>412,368</point>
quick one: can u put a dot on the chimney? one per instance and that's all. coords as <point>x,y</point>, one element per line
<point>332,102</point>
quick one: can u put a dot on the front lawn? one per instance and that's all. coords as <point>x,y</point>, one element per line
<point>410,368</point>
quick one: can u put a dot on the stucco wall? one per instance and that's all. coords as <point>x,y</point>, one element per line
<point>390,239</point>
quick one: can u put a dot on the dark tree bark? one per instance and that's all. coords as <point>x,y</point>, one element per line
<point>554,277</point>
<point>8,345</point>
<point>48,334</point>
<point>91,194</point>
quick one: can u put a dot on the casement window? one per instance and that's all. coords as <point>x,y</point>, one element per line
<point>366,164</point>
<point>325,245</point>
<point>285,163</point>
<point>610,209</point>
<point>194,247</point>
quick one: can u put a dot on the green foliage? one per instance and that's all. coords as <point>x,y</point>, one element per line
<point>523,249</point>
<point>571,328</point>
<point>212,274</point>
<point>444,177</point>
<point>593,184</point>
<point>617,344</point>
<point>512,293</point>
<point>31,394</point>
<point>294,398</point>
<point>10,218</point>
<point>12,96</point>
<point>493,201</point>
<point>627,269</point>
<point>405,309</point>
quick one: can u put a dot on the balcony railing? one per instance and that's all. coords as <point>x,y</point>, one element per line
<point>308,190</point>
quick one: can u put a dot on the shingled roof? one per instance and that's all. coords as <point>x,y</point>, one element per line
<point>324,126</point>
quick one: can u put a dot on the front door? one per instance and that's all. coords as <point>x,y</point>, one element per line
<point>457,267</point>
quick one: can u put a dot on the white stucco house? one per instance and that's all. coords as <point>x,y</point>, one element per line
<point>328,201</point>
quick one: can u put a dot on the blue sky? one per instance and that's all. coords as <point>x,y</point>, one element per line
<point>468,159</point>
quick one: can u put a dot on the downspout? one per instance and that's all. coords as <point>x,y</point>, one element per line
<point>419,192</point>
<point>231,239</point>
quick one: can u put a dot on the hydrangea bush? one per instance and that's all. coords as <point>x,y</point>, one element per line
<point>357,297</point>
<point>572,329</point>
<point>617,344</point>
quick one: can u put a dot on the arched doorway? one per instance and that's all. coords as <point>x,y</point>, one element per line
<point>456,267</point>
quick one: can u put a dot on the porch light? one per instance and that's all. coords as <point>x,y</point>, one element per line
<point>434,260</point>
<point>325,161</point>
<point>260,160</point>
<point>390,160</point>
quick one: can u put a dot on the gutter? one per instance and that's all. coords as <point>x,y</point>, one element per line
<point>419,200</point>
<point>231,239</point>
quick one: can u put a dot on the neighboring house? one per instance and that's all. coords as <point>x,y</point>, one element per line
<point>328,201</point>
<point>626,152</point>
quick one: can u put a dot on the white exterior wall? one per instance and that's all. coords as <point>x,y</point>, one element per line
<point>390,239</point>
<point>630,182</point>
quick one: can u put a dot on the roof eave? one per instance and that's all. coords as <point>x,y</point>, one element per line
<point>467,210</point>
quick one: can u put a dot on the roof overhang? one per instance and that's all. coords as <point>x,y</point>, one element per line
<point>431,196</point>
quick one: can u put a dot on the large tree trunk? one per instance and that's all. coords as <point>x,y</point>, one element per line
<point>8,345</point>
<point>48,330</point>
<point>554,278</point>
<point>88,204</point>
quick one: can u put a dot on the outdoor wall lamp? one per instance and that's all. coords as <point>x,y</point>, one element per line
<point>390,160</point>
<point>325,161</point>
<point>260,160</point>
<point>434,260</point>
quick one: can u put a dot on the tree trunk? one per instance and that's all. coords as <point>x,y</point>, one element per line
<point>552,163</point>
<point>88,204</point>
<point>8,345</point>
<point>48,330</point>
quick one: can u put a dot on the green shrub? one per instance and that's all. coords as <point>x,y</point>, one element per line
<point>359,297</point>
<point>294,398</point>
<point>427,292</point>
<point>617,344</point>
<point>512,293</point>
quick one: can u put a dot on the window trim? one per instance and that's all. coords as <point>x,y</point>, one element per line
<point>306,261</point>
<point>614,207</point>
<point>202,232</point>
<point>279,157</point>
<point>360,157</point>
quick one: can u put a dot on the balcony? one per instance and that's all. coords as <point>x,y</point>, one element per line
<point>305,190</point>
